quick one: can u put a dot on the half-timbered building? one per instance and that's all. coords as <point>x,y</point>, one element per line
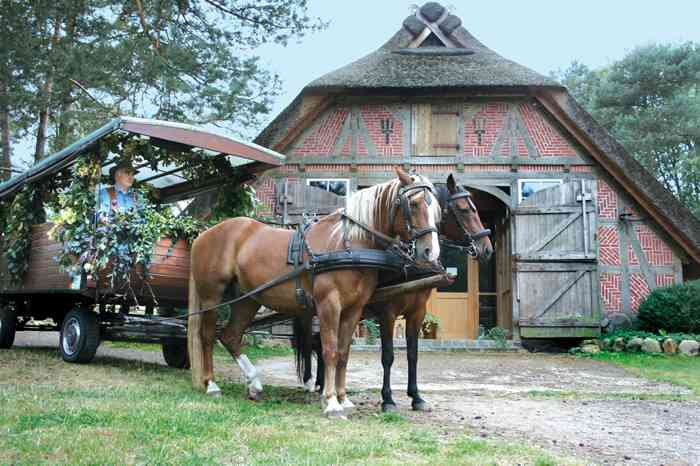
<point>582,232</point>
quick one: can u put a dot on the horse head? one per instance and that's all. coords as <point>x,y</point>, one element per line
<point>461,222</point>
<point>415,215</point>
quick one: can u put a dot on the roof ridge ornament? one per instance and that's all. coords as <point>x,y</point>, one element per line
<point>433,19</point>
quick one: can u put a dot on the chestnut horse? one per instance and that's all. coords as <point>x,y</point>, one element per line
<point>460,224</point>
<point>243,254</point>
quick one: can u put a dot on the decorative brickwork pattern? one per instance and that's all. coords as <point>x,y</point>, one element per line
<point>609,239</point>
<point>607,201</point>
<point>542,168</point>
<point>547,139</point>
<point>610,291</point>
<point>265,193</point>
<point>655,250</point>
<point>665,279</point>
<point>631,256</point>
<point>321,140</point>
<point>372,116</point>
<point>493,116</point>
<point>639,289</point>
<point>347,146</point>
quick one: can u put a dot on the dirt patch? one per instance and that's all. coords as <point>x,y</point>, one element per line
<point>562,403</point>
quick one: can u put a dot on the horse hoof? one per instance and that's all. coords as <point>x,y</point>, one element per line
<point>213,389</point>
<point>421,406</point>
<point>389,408</point>
<point>309,387</point>
<point>257,396</point>
<point>336,415</point>
<point>348,405</point>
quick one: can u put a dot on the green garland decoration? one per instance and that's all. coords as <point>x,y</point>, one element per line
<point>18,216</point>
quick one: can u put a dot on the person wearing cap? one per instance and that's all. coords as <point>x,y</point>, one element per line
<point>121,196</point>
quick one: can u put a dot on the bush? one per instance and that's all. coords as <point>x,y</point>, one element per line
<point>673,309</point>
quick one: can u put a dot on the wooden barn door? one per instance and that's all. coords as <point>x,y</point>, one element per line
<point>555,262</point>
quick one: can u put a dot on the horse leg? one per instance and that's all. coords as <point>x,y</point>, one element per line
<point>242,314</point>
<point>202,349</point>
<point>320,366</point>
<point>387,334</point>
<point>349,320</point>
<point>414,322</point>
<point>329,315</point>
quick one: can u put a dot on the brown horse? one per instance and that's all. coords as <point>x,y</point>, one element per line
<point>243,253</point>
<point>460,224</point>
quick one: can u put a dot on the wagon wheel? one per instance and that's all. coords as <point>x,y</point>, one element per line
<point>175,353</point>
<point>80,336</point>
<point>8,326</point>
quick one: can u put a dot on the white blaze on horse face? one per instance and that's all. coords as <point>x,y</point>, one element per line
<point>255,386</point>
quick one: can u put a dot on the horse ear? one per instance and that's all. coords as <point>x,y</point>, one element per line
<point>451,184</point>
<point>403,176</point>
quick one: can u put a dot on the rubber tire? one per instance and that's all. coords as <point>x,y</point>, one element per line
<point>175,353</point>
<point>8,327</point>
<point>88,340</point>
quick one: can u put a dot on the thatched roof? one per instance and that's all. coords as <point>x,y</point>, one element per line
<point>401,67</point>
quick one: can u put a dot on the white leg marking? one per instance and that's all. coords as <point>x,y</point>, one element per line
<point>333,408</point>
<point>347,404</point>
<point>255,386</point>
<point>213,389</point>
<point>435,243</point>
<point>310,386</point>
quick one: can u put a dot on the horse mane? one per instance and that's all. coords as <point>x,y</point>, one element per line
<point>368,204</point>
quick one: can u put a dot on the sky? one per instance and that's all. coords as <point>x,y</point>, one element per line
<point>544,35</point>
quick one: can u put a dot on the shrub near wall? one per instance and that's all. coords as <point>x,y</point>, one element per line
<point>673,309</point>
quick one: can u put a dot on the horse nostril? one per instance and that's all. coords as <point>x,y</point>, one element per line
<point>427,252</point>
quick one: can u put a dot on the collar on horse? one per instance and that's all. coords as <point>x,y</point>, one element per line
<point>448,204</point>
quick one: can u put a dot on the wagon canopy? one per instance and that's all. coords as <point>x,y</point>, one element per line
<point>248,158</point>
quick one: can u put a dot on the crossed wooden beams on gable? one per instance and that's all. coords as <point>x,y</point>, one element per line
<point>433,27</point>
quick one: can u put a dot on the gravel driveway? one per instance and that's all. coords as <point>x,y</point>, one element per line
<point>579,407</point>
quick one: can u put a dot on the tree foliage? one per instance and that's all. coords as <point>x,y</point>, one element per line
<point>650,101</point>
<point>184,60</point>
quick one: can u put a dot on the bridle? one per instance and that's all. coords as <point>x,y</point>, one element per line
<point>448,204</point>
<point>402,203</point>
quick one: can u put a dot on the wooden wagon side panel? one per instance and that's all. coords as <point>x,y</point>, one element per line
<point>43,272</point>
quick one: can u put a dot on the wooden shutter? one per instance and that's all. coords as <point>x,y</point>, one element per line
<point>437,129</point>
<point>555,262</point>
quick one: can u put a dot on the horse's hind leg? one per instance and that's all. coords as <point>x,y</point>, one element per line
<point>242,314</point>
<point>329,315</point>
<point>201,348</point>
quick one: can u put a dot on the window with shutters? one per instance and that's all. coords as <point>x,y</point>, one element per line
<point>437,129</point>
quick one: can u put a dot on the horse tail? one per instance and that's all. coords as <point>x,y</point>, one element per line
<point>195,345</point>
<point>303,346</point>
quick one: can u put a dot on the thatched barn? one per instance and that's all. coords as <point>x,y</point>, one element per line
<point>582,232</point>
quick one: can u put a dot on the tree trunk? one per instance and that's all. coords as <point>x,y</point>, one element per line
<point>47,90</point>
<point>6,164</point>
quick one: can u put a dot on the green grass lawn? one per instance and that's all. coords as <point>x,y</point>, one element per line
<point>677,369</point>
<point>124,412</point>
<point>253,352</point>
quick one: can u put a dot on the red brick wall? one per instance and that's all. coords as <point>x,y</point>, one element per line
<point>321,140</point>
<point>547,139</point>
<point>494,115</point>
<point>620,277</point>
<point>372,116</point>
<point>265,193</point>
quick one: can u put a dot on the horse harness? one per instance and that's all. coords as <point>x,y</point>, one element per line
<point>396,257</point>
<point>449,204</point>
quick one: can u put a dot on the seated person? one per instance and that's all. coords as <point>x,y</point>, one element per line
<point>121,196</point>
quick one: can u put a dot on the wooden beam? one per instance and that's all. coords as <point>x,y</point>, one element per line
<point>554,107</point>
<point>388,292</point>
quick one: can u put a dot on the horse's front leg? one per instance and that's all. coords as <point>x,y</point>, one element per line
<point>329,316</point>
<point>242,314</point>
<point>414,322</point>
<point>349,320</point>
<point>387,334</point>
